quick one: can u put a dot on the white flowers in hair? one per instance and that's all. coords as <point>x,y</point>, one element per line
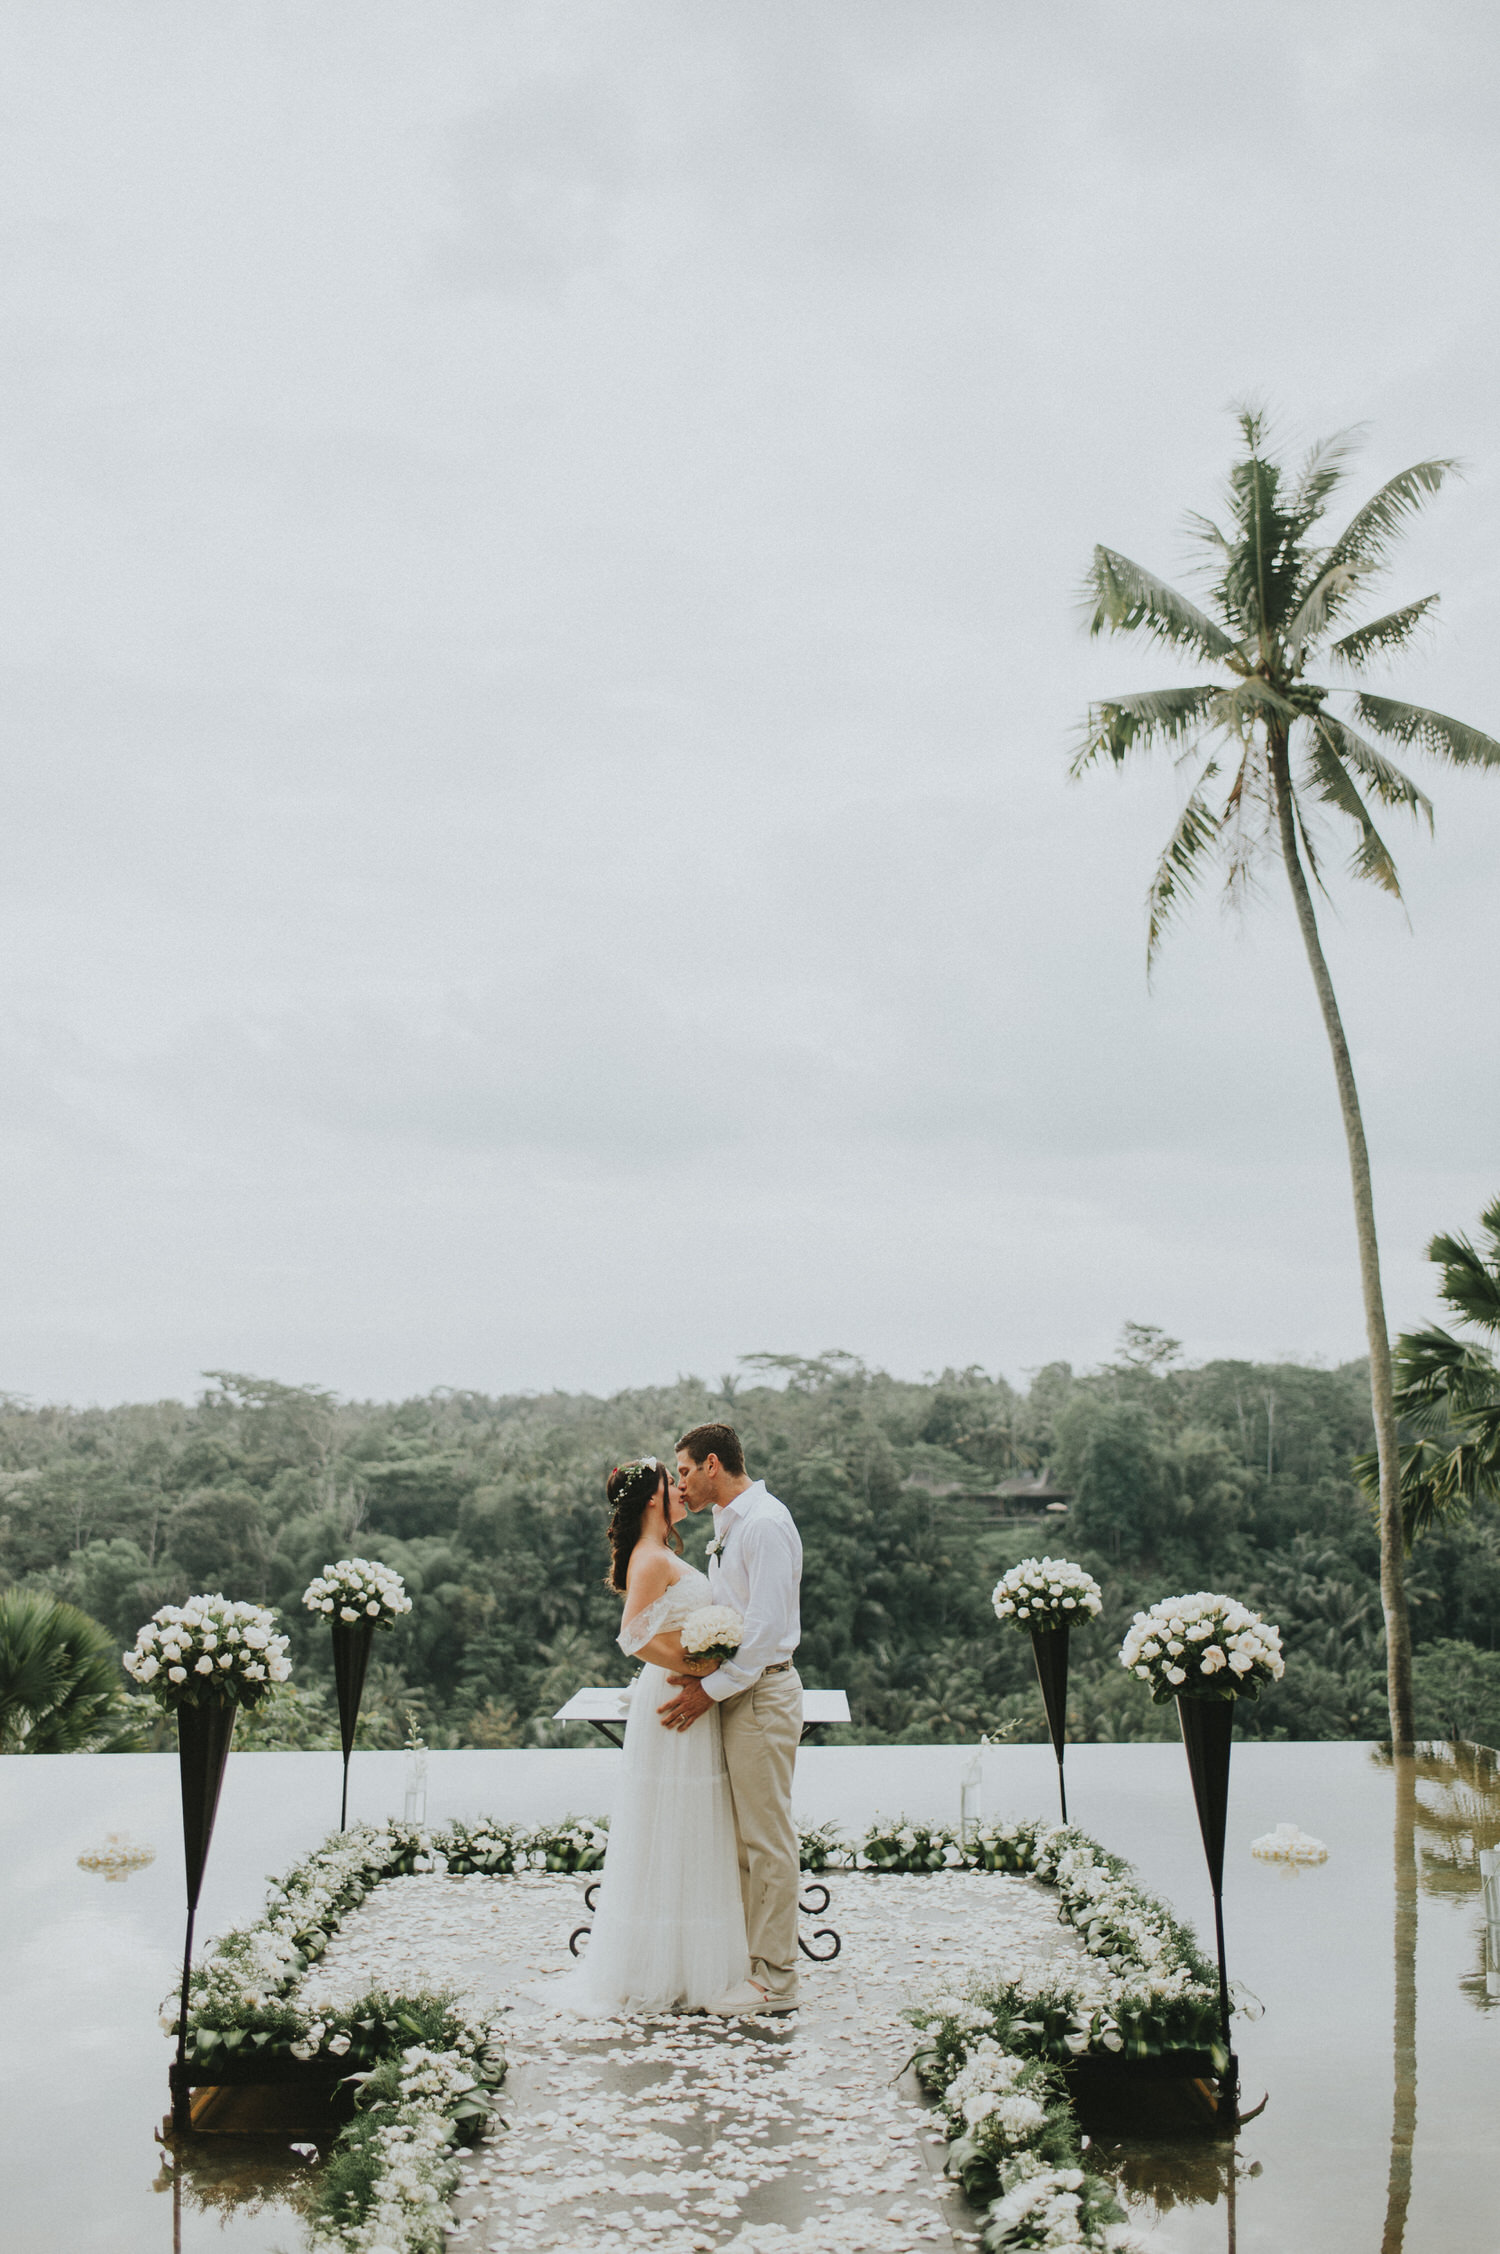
<point>209,1648</point>
<point>712,1632</point>
<point>1046,1592</point>
<point>358,1588</point>
<point>1202,1646</point>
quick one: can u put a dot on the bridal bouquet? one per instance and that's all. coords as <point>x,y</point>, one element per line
<point>1202,1646</point>
<point>357,1588</point>
<point>710,1635</point>
<point>209,1651</point>
<point>1046,1592</point>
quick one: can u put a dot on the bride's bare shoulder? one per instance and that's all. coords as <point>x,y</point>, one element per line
<point>648,1576</point>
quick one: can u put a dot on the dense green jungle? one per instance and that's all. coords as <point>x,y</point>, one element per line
<point>1229,1475</point>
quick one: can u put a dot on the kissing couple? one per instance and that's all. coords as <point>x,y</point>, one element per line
<point>698,1903</point>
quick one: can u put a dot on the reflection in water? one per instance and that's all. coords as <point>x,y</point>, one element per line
<point>228,2176</point>
<point>1456,1818</point>
<point>1177,2172</point>
<point>1457,1814</point>
<point>1404,2102</point>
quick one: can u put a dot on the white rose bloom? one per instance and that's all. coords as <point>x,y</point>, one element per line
<point>205,1666</point>
<point>176,1674</point>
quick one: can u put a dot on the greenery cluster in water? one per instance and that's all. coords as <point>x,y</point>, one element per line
<point>1231,1475</point>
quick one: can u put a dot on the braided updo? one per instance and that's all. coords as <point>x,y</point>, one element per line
<point>632,1489</point>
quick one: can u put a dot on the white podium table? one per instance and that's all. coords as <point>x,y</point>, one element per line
<point>606,1710</point>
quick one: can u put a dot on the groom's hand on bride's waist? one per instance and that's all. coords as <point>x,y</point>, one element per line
<point>692,1699</point>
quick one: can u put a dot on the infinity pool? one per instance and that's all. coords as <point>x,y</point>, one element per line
<point>1377,2043</point>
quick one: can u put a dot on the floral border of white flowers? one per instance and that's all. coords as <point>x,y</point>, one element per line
<point>992,2057</point>
<point>433,2085</point>
<point>442,2064</point>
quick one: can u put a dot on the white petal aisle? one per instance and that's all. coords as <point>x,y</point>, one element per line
<point>682,2134</point>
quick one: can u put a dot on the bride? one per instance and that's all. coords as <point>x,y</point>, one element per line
<point>669,1932</point>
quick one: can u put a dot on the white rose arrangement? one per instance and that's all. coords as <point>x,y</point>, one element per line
<point>209,1651</point>
<point>1202,1646</point>
<point>358,1588</point>
<point>1046,1592</point>
<point>710,1635</point>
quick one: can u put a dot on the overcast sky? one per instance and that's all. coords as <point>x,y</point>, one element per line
<point>541,549</point>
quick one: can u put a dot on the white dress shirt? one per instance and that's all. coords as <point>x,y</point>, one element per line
<point>758,1573</point>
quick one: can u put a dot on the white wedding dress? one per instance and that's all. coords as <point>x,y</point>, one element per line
<point>669,1930</point>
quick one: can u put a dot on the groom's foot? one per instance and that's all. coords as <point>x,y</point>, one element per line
<point>748,1997</point>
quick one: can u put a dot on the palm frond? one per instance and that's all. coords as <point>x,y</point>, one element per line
<point>1432,732</point>
<point>1471,1284</point>
<point>1122,725</point>
<point>1314,869</point>
<point>1393,632</point>
<point>1441,1380</point>
<point>1204,529</point>
<point>1323,472</point>
<point>1127,599</point>
<point>1255,581</point>
<point>1437,1483</point>
<point>1371,531</point>
<point>1177,872</point>
<point>1333,587</point>
<point>1448,1396</point>
<point>1242,841</point>
<point>1382,775</point>
<point>1252,700</point>
<point>1330,779</point>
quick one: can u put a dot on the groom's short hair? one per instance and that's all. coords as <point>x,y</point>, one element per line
<point>719,1440</point>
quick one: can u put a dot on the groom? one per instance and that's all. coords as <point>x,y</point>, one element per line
<point>754,1566</point>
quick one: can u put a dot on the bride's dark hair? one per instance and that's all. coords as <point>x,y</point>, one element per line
<point>632,1489</point>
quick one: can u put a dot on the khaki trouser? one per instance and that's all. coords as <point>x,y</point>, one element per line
<point>762,1727</point>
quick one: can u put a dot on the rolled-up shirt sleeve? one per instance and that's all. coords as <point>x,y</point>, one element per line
<point>771,1559</point>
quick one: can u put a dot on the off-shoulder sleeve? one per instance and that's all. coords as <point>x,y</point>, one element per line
<point>643,1625</point>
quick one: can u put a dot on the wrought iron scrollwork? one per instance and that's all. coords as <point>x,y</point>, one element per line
<point>582,1932</point>
<point>807,1906</point>
<point>820,1932</point>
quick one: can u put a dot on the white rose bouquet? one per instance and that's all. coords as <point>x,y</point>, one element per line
<point>1046,1592</point>
<point>710,1635</point>
<point>358,1588</point>
<point>209,1651</point>
<point>1202,1646</point>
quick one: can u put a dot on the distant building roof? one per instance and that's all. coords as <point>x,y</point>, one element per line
<point>1037,1488</point>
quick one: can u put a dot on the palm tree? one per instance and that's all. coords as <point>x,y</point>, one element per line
<point>60,1678</point>
<point>1448,1390</point>
<point>1277,603</point>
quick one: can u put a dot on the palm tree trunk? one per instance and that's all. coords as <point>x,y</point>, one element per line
<point>1382,1384</point>
<point>1404,2102</point>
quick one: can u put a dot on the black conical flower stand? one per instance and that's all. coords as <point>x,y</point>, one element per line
<point>1208,1735</point>
<point>203,1737</point>
<point>1051,1648</point>
<point>351,1657</point>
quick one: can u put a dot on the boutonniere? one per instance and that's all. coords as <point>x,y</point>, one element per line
<point>716,1546</point>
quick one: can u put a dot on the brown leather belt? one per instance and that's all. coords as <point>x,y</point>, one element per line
<point>777,1667</point>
